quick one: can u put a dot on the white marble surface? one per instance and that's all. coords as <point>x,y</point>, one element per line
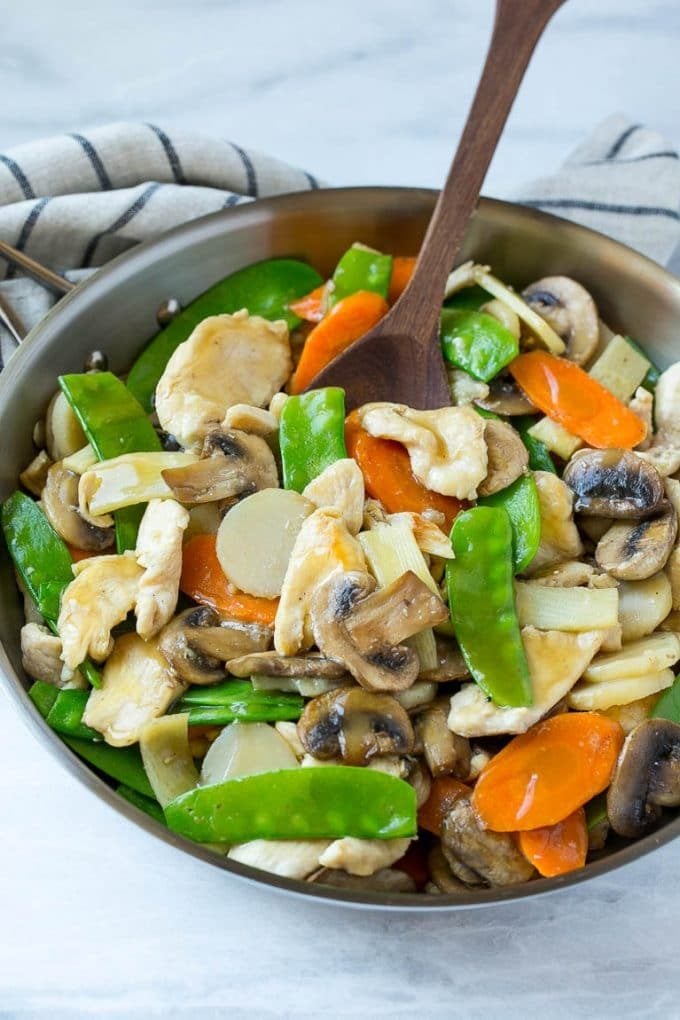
<point>98,919</point>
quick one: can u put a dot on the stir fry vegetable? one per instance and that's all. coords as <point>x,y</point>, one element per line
<point>408,649</point>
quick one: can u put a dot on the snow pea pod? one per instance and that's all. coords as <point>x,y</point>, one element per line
<point>476,342</point>
<point>223,703</point>
<point>66,715</point>
<point>150,807</point>
<point>482,603</point>
<point>313,803</point>
<point>520,502</point>
<point>311,435</point>
<point>469,297</point>
<point>539,457</point>
<point>115,423</point>
<point>265,289</point>
<point>361,268</point>
<point>668,705</point>
<point>42,561</point>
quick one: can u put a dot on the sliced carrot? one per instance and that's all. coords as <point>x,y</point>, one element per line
<point>402,271</point>
<point>345,323</point>
<point>444,793</point>
<point>557,849</point>
<point>575,400</point>
<point>204,580</point>
<point>312,306</point>
<point>548,772</point>
<point>80,554</point>
<point>386,468</point>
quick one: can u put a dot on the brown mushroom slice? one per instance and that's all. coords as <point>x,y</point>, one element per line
<point>198,642</point>
<point>272,664</point>
<point>446,753</point>
<point>493,856</point>
<point>614,483</point>
<point>506,398</point>
<point>34,476</point>
<point>386,880</point>
<point>646,779</point>
<point>450,664</point>
<point>507,457</point>
<point>570,310</point>
<point>443,876</point>
<point>356,725</point>
<point>60,503</point>
<point>232,464</point>
<point>364,631</point>
<point>634,551</point>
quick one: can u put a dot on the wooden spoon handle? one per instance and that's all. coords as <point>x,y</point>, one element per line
<point>517,28</point>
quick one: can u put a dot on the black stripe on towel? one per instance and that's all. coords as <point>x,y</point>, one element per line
<point>312,181</point>
<point>95,159</point>
<point>19,176</point>
<point>26,231</point>
<point>670,154</point>
<point>121,222</point>
<point>231,201</point>
<point>621,140</point>
<point>251,176</point>
<point>171,153</point>
<point>577,203</point>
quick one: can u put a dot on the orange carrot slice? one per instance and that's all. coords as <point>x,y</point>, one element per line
<point>204,581</point>
<point>402,271</point>
<point>311,307</point>
<point>557,849</point>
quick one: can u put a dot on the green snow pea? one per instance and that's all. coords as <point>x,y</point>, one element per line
<point>469,297</point>
<point>651,379</point>
<point>42,561</point>
<point>311,435</point>
<point>222,703</point>
<point>314,803</point>
<point>520,502</point>
<point>43,696</point>
<point>668,705</point>
<point>150,807</point>
<point>539,457</point>
<point>482,604</point>
<point>66,715</point>
<point>476,342</point>
<point>361,268</point>
<point>265,289</point>
<point>596,811</point>
<point>115,423</point>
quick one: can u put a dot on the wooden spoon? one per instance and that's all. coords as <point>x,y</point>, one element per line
<point>400,359</point>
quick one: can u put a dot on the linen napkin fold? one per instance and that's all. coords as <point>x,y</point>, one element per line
<point>76,201</point>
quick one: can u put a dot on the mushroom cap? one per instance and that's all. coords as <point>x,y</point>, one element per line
<point>507,457</point>
<point>356,725</point>
<point>493,856</point>
<point>570,310</point>
<point>270,663</point>
<point>233,463</point>
<point>506,398</point>
<point>60,503</point>
<point>198,641</point>
<point>635,550</point>
<point>614,483</point>
<point>647,778</point>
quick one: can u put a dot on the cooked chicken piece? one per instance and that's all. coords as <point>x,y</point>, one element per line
<point>340,485</point>
<point>429,537</point>
<point>464,389</point>
<point>290,858</point>
<point>664,450</point>
<point>137,686</point>
<point>256,420</point>
<point>363,856</point>
<point>446,447</point>
<point>323,546</point>
<point>642,404</point>
<point>101,595</point>
<point>556,661</point>
<point>560,539</point>
<point>631,715</point>
<point>227,360</point>
<point>159,551</point>
<point>41,657</point>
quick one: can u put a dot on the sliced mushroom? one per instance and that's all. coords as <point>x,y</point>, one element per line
<point>647,778</point>
<point>198,642</point>
<point>505,398</point>
<point>389,880</point>
<point>63,432</point>
<point>232,464</point>
<point>493,856</point>
<point>364,631</point>
<point>442,875</point>
<point>446,753</point>
<point>613,483</point>
<point>507,457</point>
<point>355,725</point>
<point>35,475</point>
<point>450,664</point>
<point>636,550</point>
<point>60,503</point>
<point>41,654</point>
<point>272,664</point>
<point>570,310</point>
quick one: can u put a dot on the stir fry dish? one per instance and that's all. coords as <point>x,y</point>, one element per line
<point>396,649</point>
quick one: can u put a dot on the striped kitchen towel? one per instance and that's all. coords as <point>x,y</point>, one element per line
<point>76,201</point>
